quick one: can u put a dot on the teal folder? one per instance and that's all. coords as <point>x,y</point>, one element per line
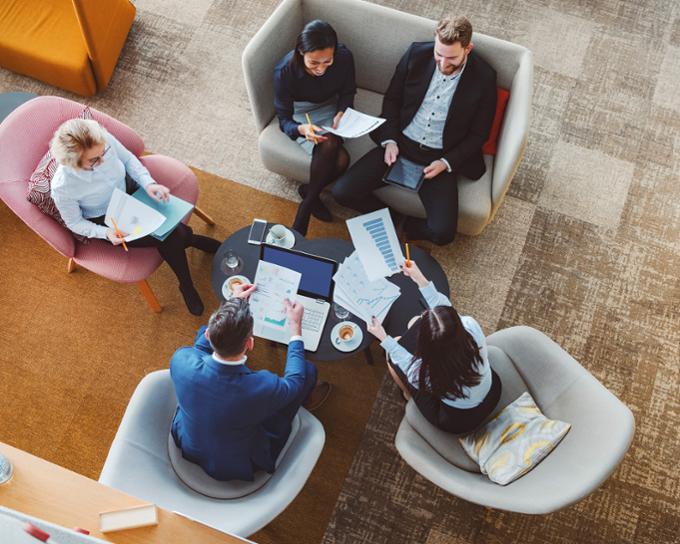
<point>174,211</point>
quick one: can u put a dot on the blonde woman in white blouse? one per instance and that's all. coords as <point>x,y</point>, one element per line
<point>92,163</point>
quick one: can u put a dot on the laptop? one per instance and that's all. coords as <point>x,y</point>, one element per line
<point>315,292</point>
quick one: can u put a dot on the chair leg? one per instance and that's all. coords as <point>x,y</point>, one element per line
<point>200,213</point>
<point>149,296</point>
<point>71,266</point>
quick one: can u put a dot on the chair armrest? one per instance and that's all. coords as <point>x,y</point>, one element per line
<point>262,53</point>
<point>515,129</point>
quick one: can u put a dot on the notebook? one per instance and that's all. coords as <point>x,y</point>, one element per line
<point>174,211</point>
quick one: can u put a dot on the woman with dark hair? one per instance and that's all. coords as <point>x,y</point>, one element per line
<point>442,363</point>
<point>316,81</point>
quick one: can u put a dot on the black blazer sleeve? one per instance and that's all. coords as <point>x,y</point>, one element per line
<point>349,85</point>
<point>392,103</point>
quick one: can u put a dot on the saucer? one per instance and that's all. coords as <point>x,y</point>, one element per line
<point>346,346</point>
<point>226,291</point>
<point>287,243</point>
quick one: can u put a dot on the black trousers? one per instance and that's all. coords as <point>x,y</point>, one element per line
<point>439,195</point>
<point>445,417</point>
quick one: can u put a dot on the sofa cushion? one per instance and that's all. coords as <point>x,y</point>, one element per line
<point>40,184</point>
<point>42,39</point>
<point>515,441</point>
<point>490,147</point>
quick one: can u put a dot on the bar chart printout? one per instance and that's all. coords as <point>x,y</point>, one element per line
<point>376,243</point>
<point>274,284</point>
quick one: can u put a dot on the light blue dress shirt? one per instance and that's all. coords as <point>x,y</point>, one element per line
<point>401,357</point>
<point>83,194</point>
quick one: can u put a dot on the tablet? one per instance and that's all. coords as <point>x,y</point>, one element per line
<point>406,174</point>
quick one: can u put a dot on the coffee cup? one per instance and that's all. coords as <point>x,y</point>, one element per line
<point>278,234</point>
<point>234,282</point>
<point>345,334</point>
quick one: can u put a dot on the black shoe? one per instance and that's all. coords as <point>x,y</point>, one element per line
<point>192,299</point>
<point>319,209</point>
<point>204,243</point>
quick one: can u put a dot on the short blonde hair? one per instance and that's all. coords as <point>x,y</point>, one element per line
<point>451,30</point>
<point>73,138</point>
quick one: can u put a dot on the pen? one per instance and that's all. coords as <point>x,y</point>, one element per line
<point>311,127</point>
<point>408,256</point>
<point>119,234</point>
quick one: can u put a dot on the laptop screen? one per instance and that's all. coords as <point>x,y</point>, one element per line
<point>317,272</point>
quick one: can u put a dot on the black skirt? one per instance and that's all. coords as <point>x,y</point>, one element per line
<point>441,415</point>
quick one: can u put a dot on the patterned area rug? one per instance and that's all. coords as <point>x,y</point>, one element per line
<point>586,246</point>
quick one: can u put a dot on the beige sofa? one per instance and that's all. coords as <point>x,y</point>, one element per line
<point>527,360</point>
<point>378,37</point>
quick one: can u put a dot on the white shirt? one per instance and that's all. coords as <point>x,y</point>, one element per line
<point>400,356</point>
<point>242,360</point>
<point>83,194</point>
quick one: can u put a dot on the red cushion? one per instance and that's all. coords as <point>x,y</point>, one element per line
<point>490,147</point>
<point>39,185</point>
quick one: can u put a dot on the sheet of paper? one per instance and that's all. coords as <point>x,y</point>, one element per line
<point>174,211</point>
<point>132,216</point>
<point>376,242</point>
<point>355,124</point>
<point>274,284</point>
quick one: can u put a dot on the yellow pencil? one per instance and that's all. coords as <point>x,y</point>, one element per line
<point>311,127</point>
<point>119,234</point>
<point>408,256</point>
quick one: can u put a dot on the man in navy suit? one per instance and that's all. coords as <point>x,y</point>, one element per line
<point>439,108</point>
<point>230,420</point>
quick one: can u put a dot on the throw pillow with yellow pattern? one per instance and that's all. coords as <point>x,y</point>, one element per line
<point>515,441</point>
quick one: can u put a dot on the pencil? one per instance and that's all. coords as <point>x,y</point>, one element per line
<point>119,234</point>
<point>408,256</point>
<point>311,128</point>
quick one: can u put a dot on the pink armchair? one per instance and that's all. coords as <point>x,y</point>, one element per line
<point>24,139</point>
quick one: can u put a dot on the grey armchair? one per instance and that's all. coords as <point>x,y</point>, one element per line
<point>527,360</point>
<point>378,37</point>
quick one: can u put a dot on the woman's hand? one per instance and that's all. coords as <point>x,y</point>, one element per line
<point>376,329</point>
<point>391,153</point>
<point>414,273</point>
<point>336,119</point>
<point>160,193</point>
<point>311,133</point>
<point>244,290</point>
<point>114,238</point>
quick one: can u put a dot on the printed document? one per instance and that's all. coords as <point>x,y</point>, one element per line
<point>376,242</point>
<point>274,283</point>
<point>132,216</point>
<point>174,211</point>
<point>355,124</point>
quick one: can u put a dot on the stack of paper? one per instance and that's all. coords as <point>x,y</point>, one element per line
<point>362,297</point>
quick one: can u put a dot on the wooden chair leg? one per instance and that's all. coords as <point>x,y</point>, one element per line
<point>200,213</point>
<point>149,296</point>
<point>71,266</point>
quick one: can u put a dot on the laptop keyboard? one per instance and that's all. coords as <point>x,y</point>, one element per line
<point>312,320</point>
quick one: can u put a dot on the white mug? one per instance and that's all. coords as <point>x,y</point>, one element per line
<point>346,334</point>
<point>278,233</point>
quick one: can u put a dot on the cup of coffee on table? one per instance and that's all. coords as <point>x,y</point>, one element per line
<point>234,282</point>
<point>345,334</point>
<point>278,233</point>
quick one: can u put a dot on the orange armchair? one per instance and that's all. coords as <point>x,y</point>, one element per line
<point>71,44</point>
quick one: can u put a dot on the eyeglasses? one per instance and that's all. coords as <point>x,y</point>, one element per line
<point>95,161</point>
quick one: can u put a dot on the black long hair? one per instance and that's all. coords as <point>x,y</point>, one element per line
<point>316,34</point>
<point>450,357</point>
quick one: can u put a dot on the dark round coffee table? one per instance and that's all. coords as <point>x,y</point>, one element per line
<point>409,304</point>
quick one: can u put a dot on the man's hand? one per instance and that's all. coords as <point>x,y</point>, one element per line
<point>294,311</point>
<point>434,169</point>
<point>376,329</point>
<point>160,193</point>
<point>414,273</point>
<point>391,153</point>
<point>114,238</point>
<point>243,290</point>
<point>336,119</point>
<point>311,133</point>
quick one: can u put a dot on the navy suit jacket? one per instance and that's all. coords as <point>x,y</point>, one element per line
<point>470,114</point>
<point>221,409</point>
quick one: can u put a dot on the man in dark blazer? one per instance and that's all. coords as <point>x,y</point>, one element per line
<point>439,108</point>
<point>230,420</point>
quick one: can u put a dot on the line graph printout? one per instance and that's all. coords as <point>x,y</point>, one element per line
<point>274,284</point>
<point>376,242</point>
<point>132,216</point>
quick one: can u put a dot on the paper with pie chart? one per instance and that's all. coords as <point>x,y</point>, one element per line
<point>274,284</point>
<point>362,297</point>
<point>376,242</point>
<point>132,216</point>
